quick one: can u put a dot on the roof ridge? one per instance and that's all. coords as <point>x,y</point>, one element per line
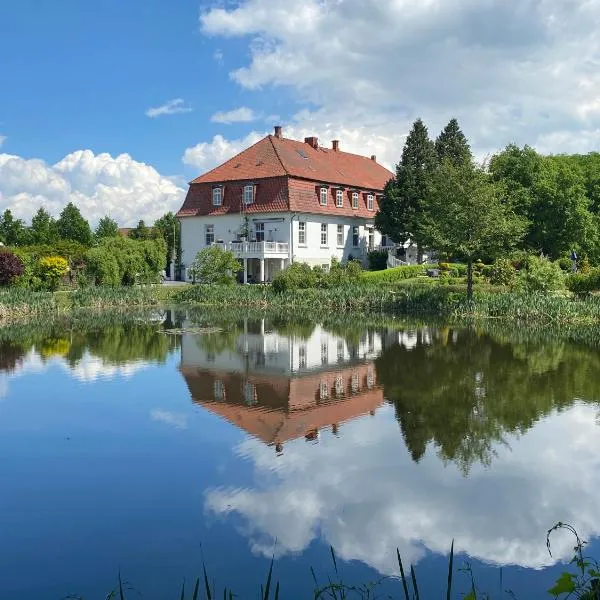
<point>277,155</point>
<point>230,160</point>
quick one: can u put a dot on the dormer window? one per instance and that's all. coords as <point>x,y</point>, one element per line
<point>355,200</point>
<point>217,196</point>
<point>323,196</point>
<point>248,194</point>
<point>370,202</point>
<point>339,198</point>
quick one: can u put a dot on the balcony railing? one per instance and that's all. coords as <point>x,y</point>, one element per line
<point>246,248</point>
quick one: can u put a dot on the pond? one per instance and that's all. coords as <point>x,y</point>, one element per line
<point>150,444</point>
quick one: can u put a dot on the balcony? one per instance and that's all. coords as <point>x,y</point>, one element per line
<point>256,249</point>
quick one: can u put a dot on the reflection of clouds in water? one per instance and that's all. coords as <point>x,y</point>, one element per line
<point>177,420</point>
<point>88,368</point>
<point>366,501</point>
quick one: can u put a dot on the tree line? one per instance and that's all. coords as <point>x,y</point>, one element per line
<point>519,200</point>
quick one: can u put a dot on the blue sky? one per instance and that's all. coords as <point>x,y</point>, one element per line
<point>78,79</point>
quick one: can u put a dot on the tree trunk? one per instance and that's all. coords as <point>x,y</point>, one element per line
<point>470,279</point>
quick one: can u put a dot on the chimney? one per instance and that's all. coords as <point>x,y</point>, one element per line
<point>312,141</point>
<point>335,144</point>
<point>278,132</point>
<point>373,158</point>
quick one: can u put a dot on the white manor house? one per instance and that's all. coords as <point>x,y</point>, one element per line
<point>282,201</point>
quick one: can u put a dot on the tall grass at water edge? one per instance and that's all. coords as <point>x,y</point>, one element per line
<point>581,583</point>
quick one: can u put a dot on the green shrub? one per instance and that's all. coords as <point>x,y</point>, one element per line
<point>582,283</point>
<point>502,272</point>
<point>300,276</point>
<point>101,267</point>
<point>214,265</point>
<point>541,275</point>
<point>377,260</point>
<point>396,274</point>
<point>51,270</point>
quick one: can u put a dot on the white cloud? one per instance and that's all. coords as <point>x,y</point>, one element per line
<point>238,115</point>
<point>172,107</point>
<point>509,71</point>
<point>2,140</point>
<point>177,420</point>
<point>206,155</point>
<point>498,514</point>
<point>98,184</point>
<point>218,56</point>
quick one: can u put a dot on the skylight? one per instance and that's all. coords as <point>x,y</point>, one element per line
<point>302,154</point>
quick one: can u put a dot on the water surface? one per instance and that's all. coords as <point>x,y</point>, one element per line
<point>129,445</point>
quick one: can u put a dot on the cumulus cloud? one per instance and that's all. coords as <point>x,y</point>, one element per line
<point>172,107</point>
<point>206,155</point>
<point>238,115</point>
<point>98,184</point>
<point>509,71</point>
<point>498,514</point>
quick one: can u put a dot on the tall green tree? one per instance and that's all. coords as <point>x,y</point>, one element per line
<point>72,226</point>
<point>142,232</point>
<point>452,145</point>
<point>106,228</point>
<point>466,214</point>
<point>12,231</point>
<point>43,228</point>
<point>403,198</point>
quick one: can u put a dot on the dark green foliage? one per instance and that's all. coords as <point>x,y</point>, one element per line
<point>452,145</point>
<point>541,275</point>
<point>12,231</point>
<point>170,228</point>
<point>465,215</point>
<point>300,276</point>
<point>143,232</point>
<point>403,197</point>
<point>583,283</point>
<point>43,228</point>
<point>377,260</point>
<point>107,228</point>
<point>72,226</point>
<point>11,267</point>
<point>502,272</point>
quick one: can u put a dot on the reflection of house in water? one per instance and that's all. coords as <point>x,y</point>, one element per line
<point>281,387</point>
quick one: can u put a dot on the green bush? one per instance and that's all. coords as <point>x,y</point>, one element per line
<point>295,277</point>
<point>582,283</point>
<point>101,267</point>
<point>396,274</point>
<point>215,265</point>
<point>377,260</point>
<point>502,272</point>
<point>300,276</point>
<point>51,270</point>
<point>541,275</point>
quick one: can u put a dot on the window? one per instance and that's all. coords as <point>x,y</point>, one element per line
<point>340,235</point>
<point>354,199</point>
<point>219,390</point>
<point>384,241</point>
<point>209,234</point>
<point>371,233</point>
<point>302,233</point>
<point>339,198</point>
<point>323,196</point>
<point>217,196</point>
<point>323,391</point>
<point>323,234</point>
<point>324,353</point>
<point>370,378</point>
<point>340,350</point>
<point>354,383</point>
<point>302,357</point>
<point>370,202</point>
<point>339,386</point>
<point>249,393</point>
<point>355,236</point>
<point>248,194</point>
<point>259,232</point>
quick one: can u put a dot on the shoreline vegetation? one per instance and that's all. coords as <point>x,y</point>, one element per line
<point>583,582</point>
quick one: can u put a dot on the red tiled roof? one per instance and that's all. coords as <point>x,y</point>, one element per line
<point>272,161</point>
<point>273,156</point>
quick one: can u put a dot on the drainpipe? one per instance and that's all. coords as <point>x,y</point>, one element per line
<point>291,245</point>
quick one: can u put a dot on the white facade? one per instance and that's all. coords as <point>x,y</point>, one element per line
<point>282,238</point>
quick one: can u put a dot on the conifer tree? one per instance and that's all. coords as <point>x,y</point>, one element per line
<point>452,144</point>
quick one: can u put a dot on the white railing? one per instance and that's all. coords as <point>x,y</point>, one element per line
<point>392,261</point>
<point>244,248</point>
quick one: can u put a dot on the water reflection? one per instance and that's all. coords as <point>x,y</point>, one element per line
<point>491,410</point>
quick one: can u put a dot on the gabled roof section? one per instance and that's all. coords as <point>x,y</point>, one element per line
<point>258,161</point>
<point>275,156</point>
